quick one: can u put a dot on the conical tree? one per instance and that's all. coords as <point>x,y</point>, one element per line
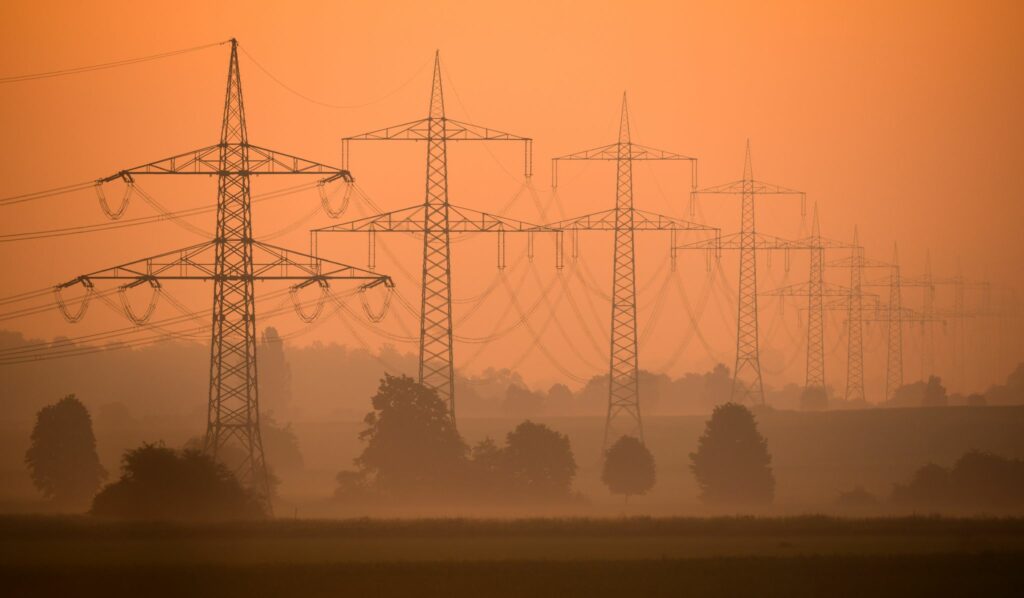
<point>628,468</point>
<point>62,458</point>
<point>732,464</point>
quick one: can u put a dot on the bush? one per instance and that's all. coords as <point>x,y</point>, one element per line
<point>159,483</point>
<point>976,480</point>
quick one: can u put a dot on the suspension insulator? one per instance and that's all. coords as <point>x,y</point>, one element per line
<point>325,199</point>
<point>129,191</point>
<point>82,308</point>
<point>379,315</point>
<point>126,306</point>
<point>309,318</point>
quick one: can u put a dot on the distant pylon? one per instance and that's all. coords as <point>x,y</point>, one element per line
<point>928,328</point>
<point>437,369</point>
<point>436,219</point>
<point>746,381</point>
<point>815,373</point>
<point>894,358</point>
<point>623,415</point>
<point>624,384</point>
<point>855,327</point>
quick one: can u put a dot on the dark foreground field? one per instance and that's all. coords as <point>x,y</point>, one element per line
<point>627,557</point>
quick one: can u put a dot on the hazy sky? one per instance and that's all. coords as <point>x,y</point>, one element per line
<point>901,117</point>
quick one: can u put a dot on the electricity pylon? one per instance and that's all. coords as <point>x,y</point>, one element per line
<point>436,218</point>
<point>746,382</point>
<point>930,315</point>
<point>894,315</point>
<point>624,220</point>
<point>815,290</point>
<point>854,307</point>
<point>233,261</point>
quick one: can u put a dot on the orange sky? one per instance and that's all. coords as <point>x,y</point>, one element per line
<point>901,117</point>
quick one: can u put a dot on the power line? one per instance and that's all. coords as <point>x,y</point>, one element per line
<point>305,97</point>
<point>104,65</point>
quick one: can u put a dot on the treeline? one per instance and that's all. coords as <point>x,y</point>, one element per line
<point>169,382</point>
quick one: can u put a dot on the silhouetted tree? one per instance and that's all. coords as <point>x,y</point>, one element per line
<point>522,402</point>
<point>934,393</point>
<point>813,398</point>
<point>62,459</point>
<point>538,461</point>
<point>628,468</point>
<point>412,446</point>
<point>858,498</point>
<point>732,464</point>
<point>159,483</point>
<point>487,469</point>
<point>275,374</point>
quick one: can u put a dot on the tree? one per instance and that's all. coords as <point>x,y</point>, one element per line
<point>538,461</point>
<point>412,446</point>
<point>628,468</point>
<point>934,393</point>
<point>62,459</point>
<point>732,464</point>
<point>275,374</point>
<point>522,402</point>
<point>813,398</point>
<point>158,483</point>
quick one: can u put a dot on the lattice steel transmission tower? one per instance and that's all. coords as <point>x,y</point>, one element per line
<point>747,386</point>
<point>623,221</point>
<point>436,219</point>
<point>894,352</point>
<point>233,261</point>
<point>855,327</point>
<point>815,290</point>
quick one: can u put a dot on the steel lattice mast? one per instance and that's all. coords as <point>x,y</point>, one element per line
<point>747,386</point>
<point>815,290</point>
<point>624,221</point>
<point>894,352</point>
<point>855,328</point>
<point>233,261</point>
<point>434,218</point>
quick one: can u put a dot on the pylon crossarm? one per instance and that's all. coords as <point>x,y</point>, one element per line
<point>605,220</point>
<point>863,262</point>
<point>605,152</point>
<point>409,220</point>
<point>802,289</point>
<point>750,186</point>
<point>277,263</point>
<point>733,241</point>
<point>198,263</point>
<point>456,130</point>
<point>419,130</point>
<point>460,220</point>
<point>642,152</point>
<point>207,161</point>
<point>189,263</point>
<point>468,220</point>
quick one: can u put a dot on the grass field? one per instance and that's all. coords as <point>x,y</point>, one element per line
<point>805,556</point>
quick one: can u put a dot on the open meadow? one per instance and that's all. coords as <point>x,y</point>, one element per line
<point>803,556</point>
